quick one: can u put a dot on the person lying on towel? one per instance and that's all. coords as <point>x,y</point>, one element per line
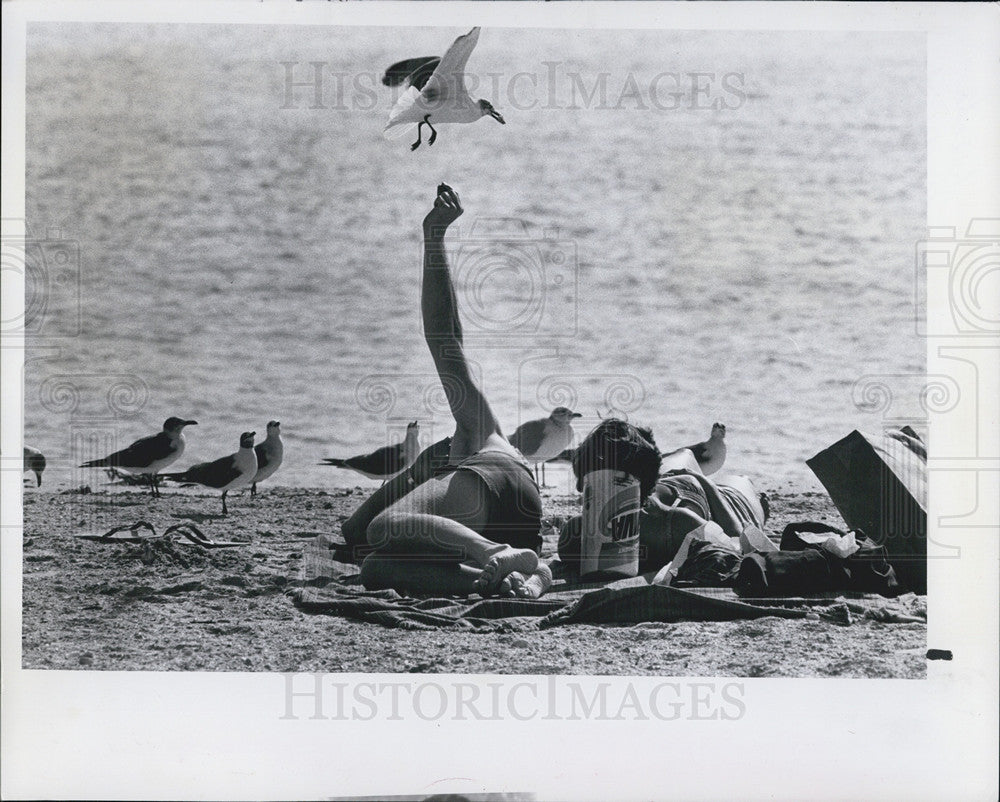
<point>682,500</point>
<point>468,522</point>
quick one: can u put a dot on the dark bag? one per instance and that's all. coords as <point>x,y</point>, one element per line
<point>789,573</point>
<point>879,485</point>
<point>707,566</point>
<point>868,569</point>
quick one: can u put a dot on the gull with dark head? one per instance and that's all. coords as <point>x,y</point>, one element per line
<point>385,462</point>
<point>147,456</point>
<point>435,92</point>
<point>226,473</point>
<point>34,461</point>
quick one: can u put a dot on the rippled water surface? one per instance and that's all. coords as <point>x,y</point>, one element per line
<point>245,256</point>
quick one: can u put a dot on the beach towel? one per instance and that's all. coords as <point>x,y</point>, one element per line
<point>329,584</point>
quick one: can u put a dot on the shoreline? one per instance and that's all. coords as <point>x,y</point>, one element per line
<point>90,606</point>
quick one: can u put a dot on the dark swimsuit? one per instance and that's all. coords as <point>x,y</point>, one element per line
<point>515,505</point>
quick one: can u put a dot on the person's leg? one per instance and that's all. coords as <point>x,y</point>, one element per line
<point>531,586</point>
<point>354,528</point>
<point>443,518</point>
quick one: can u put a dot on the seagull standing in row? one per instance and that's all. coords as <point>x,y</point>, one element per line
<point>710,454</point>
<point>385,462</point>
<point>147,456</point>
<point>545,438</point>
<point>34,461</point>
<point>435,89</point>
<point>269,454</point>
<point>226,473</point>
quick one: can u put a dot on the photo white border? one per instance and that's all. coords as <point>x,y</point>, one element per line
<point>206,735</point>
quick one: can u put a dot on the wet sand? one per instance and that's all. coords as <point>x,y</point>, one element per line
<point>176,607</point>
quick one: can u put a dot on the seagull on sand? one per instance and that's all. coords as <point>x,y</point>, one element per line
<point>711,454</point>
<point>34,461</point>
<point>147,456</point>
<point>226,473</point>
<point>435,90</point>
<point>385,462</point>
<point>545,438</point>
<point>269,454</point>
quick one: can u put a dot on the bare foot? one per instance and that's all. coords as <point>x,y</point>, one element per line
<point>531,587</point>
<point>501,564</point>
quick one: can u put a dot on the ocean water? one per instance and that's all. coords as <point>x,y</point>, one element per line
<point>740,250</point>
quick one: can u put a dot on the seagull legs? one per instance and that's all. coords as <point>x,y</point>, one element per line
<point>253,489</point>
<point>426,121</point>
<point>153,489</point>
<point>224,510</point>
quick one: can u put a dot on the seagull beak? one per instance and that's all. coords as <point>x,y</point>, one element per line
<point>190,423</point>
<point>577,415</point>
<point>496,115</point>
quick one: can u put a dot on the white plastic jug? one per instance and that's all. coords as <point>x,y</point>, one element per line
<point>610,532</point>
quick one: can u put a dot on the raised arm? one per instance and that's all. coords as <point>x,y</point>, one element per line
<point>443,329</point>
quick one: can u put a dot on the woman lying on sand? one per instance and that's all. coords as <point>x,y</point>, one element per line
<point>682,500</point>
<point>470,523</point>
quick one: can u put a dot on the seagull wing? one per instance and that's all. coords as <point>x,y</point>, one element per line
<point>383,462</point>
<point>453,62</point>
<point>701,451</point>
<point>263,457</point>
<point>143,452</point>
<point>431,86</point>
<point>528,437</point>
<point>212,474</point>
<point>409,71</point>
<point>399,121</point>
<point>448,78</point>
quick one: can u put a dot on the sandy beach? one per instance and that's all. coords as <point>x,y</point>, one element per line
<point>176,607</point>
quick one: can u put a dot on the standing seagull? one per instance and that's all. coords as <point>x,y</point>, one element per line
<point>545,438</point>
<point>226,473</point>
<point>385,462</point>
<point>148,456</point>
<point>711,454</point>
<point>269,454</point>
<point>435,87</point>
<point>34,461</point>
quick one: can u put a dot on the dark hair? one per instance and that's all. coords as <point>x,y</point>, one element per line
<point>617,445</point>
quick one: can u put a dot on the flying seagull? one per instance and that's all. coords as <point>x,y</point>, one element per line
<point>386,462</point>
<point>711,454</point>
<point>435,89</point>
<point>148,456</point>
<point>226,473</point>
<point>269,454</point>
<point>34,461</point>
<point>545,438</point>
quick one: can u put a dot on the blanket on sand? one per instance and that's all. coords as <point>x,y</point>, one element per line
<point>329,584</point>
